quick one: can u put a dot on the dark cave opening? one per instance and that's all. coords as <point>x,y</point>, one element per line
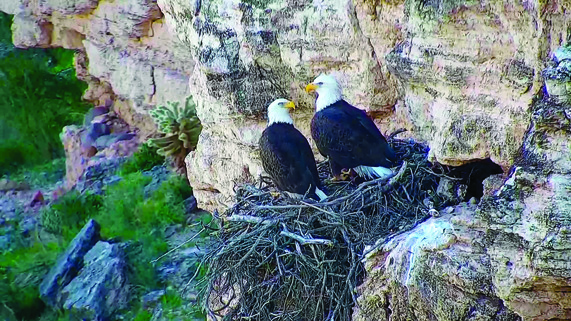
<point>473,174</point>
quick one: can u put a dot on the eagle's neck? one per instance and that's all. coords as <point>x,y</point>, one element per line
<point>279,117</point>
<point>327,99</point>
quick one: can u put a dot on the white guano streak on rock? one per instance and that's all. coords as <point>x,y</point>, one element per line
<point>431,235</point>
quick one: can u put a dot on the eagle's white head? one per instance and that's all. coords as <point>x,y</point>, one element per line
<point>328,91</point>
<point>278,111</point>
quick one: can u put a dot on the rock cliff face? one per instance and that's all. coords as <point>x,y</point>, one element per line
<point>459,74</point>
<point>506,259</point>
<point>462,76</point>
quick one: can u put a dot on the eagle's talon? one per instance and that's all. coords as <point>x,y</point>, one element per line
<point>275,194</point>
<point>336,178</point>
<point>345,175</point>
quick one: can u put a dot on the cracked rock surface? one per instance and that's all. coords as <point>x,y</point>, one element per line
<point>460,75</point>
<point>506,258</point>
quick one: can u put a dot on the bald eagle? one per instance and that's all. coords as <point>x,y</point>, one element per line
<point>287,156</point>
<point>346,134</point>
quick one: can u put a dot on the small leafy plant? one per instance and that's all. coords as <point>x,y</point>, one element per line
<point>181,128</point>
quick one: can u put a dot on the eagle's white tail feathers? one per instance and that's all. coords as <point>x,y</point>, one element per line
<point>320,194</point>
<point>373,172</point>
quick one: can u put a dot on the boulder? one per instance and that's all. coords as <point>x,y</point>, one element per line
<point>8,185</point>
<point>101,287</point>
<point>96,148</point>
<point>69,264</point>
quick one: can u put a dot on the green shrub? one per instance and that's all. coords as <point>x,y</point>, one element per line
<point>69,213</point>
<point>40,94</point>
<point>143,160</point>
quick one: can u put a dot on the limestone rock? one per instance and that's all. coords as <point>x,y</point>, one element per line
<point>100,147</point>
<point>67,6</point>
<point>506,258</point>
<point>100,288</point>
<point>69,264</point>
<point>469,76</point>
<point>30,31</point>
<point>11,7</point>
<point>460,75</point>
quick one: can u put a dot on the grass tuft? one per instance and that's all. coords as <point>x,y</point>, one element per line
<point>143,160</point>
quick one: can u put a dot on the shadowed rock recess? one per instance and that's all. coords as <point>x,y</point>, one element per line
<point>477,81</point>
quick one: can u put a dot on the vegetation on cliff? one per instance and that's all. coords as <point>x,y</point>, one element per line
<point>137,211</point>
<point>140,208</point>
<point>40,94</point>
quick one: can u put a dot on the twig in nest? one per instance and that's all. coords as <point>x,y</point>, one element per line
<point>251,219</point>
<point>303,240</point>
<point>396,132</point>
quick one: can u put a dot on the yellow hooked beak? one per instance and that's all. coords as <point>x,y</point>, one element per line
<point>290,105</point>
<point>311,88</point>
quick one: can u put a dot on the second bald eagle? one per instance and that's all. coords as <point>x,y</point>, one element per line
<point>287,156</point>
<point>346,134</point>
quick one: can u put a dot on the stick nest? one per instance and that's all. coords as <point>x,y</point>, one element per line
<point>284,259</point>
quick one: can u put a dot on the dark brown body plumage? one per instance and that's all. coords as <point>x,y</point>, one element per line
<point>288,159</point>
<point>350,138</point>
